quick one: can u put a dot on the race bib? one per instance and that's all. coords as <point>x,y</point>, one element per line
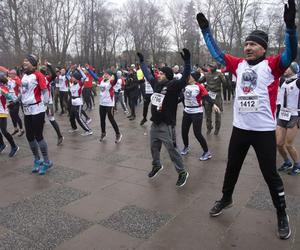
<point>248,103</point>
<point>285,115</point>
<point>27,110</point>
<point>157,99</point>
<point>212,95</point>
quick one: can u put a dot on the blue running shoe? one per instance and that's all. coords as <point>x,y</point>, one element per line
<point>2,147</point>
<point>185,151</point>
<point>44,167</point>
<point>205,156</point>
<point>285,166</point>
<point>36,166</point>
<point>295,171</point>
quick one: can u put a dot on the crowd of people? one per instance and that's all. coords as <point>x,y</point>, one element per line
<point>259,84</point>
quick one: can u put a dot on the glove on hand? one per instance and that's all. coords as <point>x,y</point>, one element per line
<point>141,57</point>
<point>202,21</point>
<point>186,55</point>
<point>289,14</point>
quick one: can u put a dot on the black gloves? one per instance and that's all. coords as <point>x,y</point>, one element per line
<point>141,57</point>
<point>289,14</point>
<point>202,21</point>
<point>186,55</point>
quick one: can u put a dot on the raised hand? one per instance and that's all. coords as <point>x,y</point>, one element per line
<point>185,55</point>
<point>202,21</point>
<point>290,14</point>
<point>141,57</point>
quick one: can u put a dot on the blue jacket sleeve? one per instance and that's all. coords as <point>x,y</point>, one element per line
<point>212,46</point>
<point>147,74</point>
<point>291,46</point>
<point>93,74</point>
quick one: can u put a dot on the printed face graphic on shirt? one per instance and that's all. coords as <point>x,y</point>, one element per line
<point>188,93</point>
<point>25,87</point>
<point>249,81</point>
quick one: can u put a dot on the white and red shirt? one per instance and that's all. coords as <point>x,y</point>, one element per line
<point>106,94</point>
<point>256,92</point>
<point>32,86</point>
<point>76,94</point>
<point>193,95</point>
<point>3,101</point>
<point>292,97</point>
<point>14,85</point>
<point>63,83</point>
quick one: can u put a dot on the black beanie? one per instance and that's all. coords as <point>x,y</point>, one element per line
<point>32,59</point>
<point>168,72</point>
<point>76,75</point>
<point>259,37</point>
<point>196,75</point>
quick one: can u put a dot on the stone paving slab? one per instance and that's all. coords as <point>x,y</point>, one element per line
<point>38,218</point>
<point>57,174</point>
<point>12,241</point>
<point>137,222</point>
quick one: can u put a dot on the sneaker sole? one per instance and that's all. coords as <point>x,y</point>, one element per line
<point>15,152</point>
<point>217,214</point>
<point>289,234</point>
<point>162,167</point>
<point>205,159</point>
<point>187,176</point>
<point>118,141</point>
<point>285,170</point>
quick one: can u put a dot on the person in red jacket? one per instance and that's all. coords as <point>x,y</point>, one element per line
<point>5,97</point>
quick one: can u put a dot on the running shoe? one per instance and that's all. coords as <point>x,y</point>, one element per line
<point>285,166</point>
<point>182,177</point>
<point>205,156</point>
<point>118,138</point>
<point>284,231</point>
<point>13,151</point>
<point>44,167</point>
<point>217,209</point>
<point>143,121</point>
<point>2,147</point>
<point>295,171</point>
<point>36,166</point>
<point>73,130</point>
<point>86,133</point>
<point>88,121</point>
<point>155,170</point>
<point>185,151</point>
<point>60,140</point>
<point>21,133</point>
<point>103,135</point>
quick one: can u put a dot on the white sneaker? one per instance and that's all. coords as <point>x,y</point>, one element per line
<point>86,133</point>
<point>73,130</point>
<point>88,121</point>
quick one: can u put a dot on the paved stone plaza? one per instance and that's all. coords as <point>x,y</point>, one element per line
<point>98,196</point>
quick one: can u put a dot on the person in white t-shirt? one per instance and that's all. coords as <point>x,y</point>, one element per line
<point>288,120</point>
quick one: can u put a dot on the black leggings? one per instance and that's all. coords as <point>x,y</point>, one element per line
<point>196,119</point>
<point>86,94</point>
<point>14,114</point>
<point>76,115</point>
<point>34,126</point>
<point>103,110</point>
<point>63,97</point>
<point>147,99</point>
<point>264,144</point>
<point>132,104</point>
<point>3,127</point>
